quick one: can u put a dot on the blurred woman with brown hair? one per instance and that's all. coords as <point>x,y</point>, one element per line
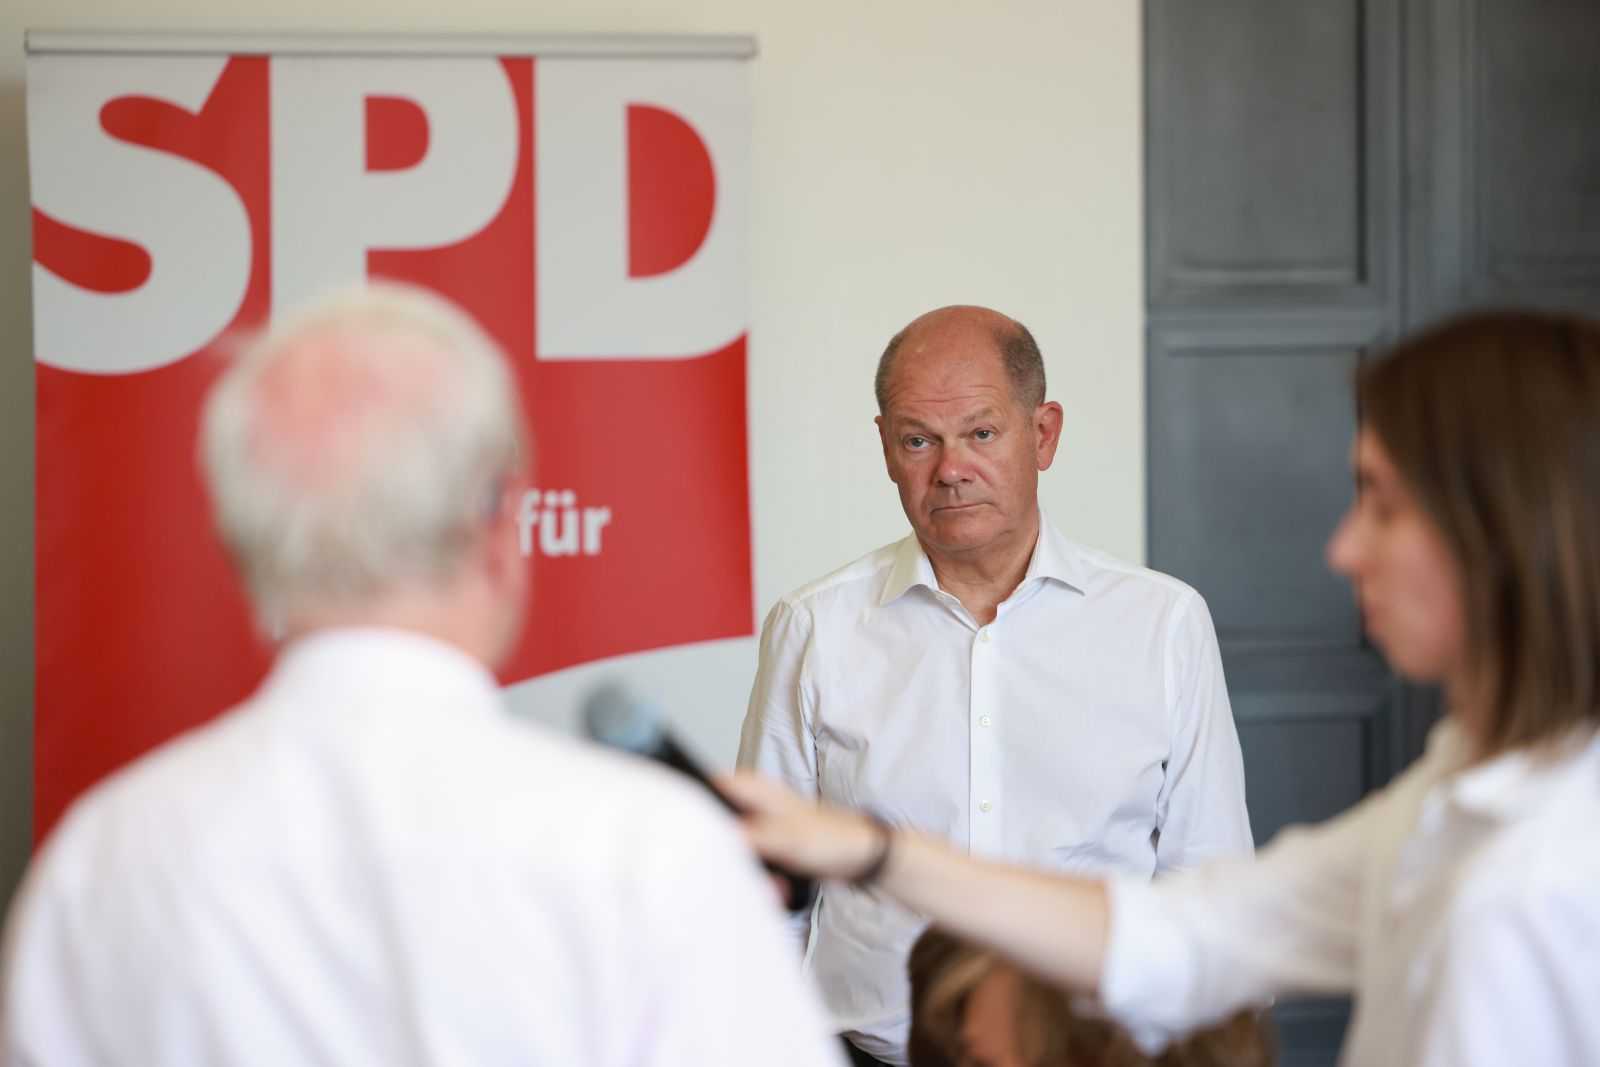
<point>1460,905</point>
<point>970,1008</point>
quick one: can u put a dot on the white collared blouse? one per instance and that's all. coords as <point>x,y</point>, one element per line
<point>1459,905</point>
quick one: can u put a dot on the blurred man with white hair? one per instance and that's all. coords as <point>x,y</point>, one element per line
<point>369,861</point>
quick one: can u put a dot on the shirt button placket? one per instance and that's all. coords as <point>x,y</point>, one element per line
<point>984,818</point>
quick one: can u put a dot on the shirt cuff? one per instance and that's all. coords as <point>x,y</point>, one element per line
<point>1143,980</point>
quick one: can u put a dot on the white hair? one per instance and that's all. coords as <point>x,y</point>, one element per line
<point>376,466</point>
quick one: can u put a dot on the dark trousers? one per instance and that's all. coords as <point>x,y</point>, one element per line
<point>859,1058</point>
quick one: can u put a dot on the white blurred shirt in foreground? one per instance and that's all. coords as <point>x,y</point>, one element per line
<point>369,862</point>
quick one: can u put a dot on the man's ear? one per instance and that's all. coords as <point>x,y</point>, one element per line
<point>883,439</point>
<point>1047,420</point>
<point>506,576</point>
<point>502,548</point>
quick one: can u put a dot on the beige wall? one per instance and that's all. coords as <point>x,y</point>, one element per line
<point>906,155</point>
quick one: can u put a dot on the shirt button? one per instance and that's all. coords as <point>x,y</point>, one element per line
<point>985,806</point>
<point>983,720</point>
<point>983,635</point>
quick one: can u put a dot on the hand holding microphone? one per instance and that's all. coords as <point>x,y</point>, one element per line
<point>619,719</point>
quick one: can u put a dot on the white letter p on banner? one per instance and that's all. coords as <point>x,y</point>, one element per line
<point>329,210</point>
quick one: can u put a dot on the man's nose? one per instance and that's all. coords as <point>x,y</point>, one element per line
<point>955,467</point>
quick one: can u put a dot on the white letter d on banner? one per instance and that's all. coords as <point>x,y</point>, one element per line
<point>589,307</point>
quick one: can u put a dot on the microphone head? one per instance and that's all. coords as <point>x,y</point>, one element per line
<point>619,718</point>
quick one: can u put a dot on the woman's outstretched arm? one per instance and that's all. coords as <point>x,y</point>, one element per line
<point>1054,925</point>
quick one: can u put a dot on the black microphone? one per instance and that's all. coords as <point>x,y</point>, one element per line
<point>619,719</point>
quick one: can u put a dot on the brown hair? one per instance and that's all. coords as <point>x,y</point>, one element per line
<point>945,971</point>
<point>1050,1032</point>
<point>1241,1040</point>
<point>1493,422</point>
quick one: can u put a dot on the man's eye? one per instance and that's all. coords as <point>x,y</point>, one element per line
<point>916,442</point>
<point>984,435</point>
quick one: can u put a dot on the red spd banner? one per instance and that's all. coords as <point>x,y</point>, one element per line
<point>589,212</point>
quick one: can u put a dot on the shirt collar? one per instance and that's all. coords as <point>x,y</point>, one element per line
<point>1055,558</point>
<point>380,663</point>
<point>1521,782</point>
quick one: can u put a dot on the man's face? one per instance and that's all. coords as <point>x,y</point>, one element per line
<point>964,452</point>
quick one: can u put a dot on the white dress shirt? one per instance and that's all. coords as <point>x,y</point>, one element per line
<point>370,862</point>
<point>1085,729</point>
<point>1461,907</point>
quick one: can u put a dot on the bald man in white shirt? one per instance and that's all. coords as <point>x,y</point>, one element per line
<point>987,680</point>
<point>369,861</point>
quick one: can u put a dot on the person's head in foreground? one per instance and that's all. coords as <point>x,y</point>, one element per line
<point>359,457</point>
<point>1460,904</point>
<point>368,860</point>
<point>1474,540</point>
<point>969,1008</point>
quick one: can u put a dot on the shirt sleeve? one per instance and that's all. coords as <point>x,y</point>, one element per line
<point>1186,951</point>
<point>1201,810</point>
<point>776,739</point>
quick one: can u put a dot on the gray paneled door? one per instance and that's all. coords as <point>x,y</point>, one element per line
<point>1322,177</point>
